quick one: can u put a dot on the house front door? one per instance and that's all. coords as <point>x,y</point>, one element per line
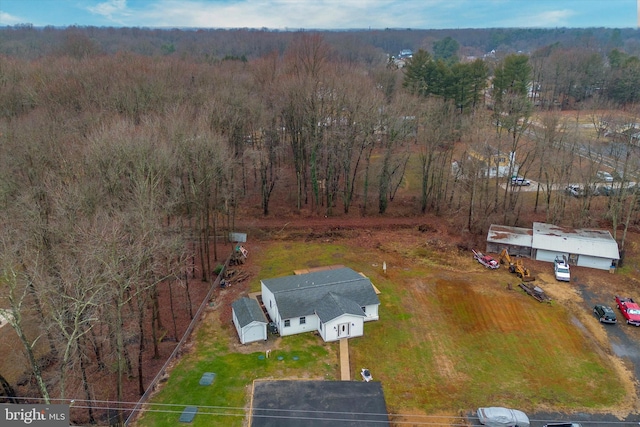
<point>343,330</point>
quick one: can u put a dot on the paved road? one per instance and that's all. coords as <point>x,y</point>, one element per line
<point>557,187</point>
<point>610,154</point>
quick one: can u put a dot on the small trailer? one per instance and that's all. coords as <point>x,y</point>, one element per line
<point>485,260</point>
<point>535,291</point>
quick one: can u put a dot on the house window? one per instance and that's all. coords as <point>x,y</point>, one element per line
<point>287,323</point>
<point>320,326</point>
<point>303,320</point>
<point>270,303</point>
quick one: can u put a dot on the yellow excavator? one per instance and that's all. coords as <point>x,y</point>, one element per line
<point>516,266</point>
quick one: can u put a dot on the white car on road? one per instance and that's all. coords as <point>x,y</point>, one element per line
<point>575,190</point>
<point>519,181</point>
<point>604,176</point>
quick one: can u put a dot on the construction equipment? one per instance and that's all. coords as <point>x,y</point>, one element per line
<point>516,266</point>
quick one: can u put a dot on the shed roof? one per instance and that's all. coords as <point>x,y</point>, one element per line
<point>300,295</point>
<point>591,242</point>
<point>514,236</point>
<point>248,311</point>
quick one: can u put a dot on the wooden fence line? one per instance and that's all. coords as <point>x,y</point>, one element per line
<point>184,338</point>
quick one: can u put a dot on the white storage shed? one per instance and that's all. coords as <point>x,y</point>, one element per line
<point>249,320</point>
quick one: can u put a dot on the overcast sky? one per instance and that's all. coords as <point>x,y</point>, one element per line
<point>323,14</point>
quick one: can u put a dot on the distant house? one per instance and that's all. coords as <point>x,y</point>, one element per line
<point>582,247</point>
<point>249,320</point>
<point>405,54</point>
<point>493,162</point>
<point>334,302</point>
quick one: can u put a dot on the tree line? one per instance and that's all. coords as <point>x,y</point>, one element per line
<point>211,45</point>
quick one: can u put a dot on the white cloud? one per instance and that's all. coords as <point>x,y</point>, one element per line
<point>7,19</point>
<point>334,14</point>
<point>553,18</point>
<point>292,14</point>
<point>110,9</point>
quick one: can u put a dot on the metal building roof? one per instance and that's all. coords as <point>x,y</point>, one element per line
<point>247,311</point>
<point>591,242</point>
<point>513,236</point>
<point>300,295</point>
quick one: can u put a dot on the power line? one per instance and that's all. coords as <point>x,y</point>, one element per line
<point>228,411</point>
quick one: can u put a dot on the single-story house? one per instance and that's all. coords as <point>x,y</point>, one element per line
<point>582,247</point>
<point>249,320</point>
<point>333,302</point>
<point>293,403</point>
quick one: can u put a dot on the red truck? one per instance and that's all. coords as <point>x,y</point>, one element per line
<point>629,309</point>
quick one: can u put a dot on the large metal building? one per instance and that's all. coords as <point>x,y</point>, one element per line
<point>582,247</point>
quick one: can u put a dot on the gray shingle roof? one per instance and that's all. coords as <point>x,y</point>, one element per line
<point>247,311</point>
<point>301,295</point>
<point>331,306</point>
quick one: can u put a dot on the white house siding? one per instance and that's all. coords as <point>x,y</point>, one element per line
<point>295,327</point>
<point>332,330</point>
<point>372,313</point>
<point>269,302</point>
<point>236,323</point>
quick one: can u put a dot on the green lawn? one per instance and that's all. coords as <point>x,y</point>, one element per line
<point>444,343</point>
<point>222,403</point>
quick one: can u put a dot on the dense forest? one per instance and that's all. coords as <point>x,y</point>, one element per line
<point>123,151</point>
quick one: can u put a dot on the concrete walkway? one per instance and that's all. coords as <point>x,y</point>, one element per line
<point>345,370</point>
